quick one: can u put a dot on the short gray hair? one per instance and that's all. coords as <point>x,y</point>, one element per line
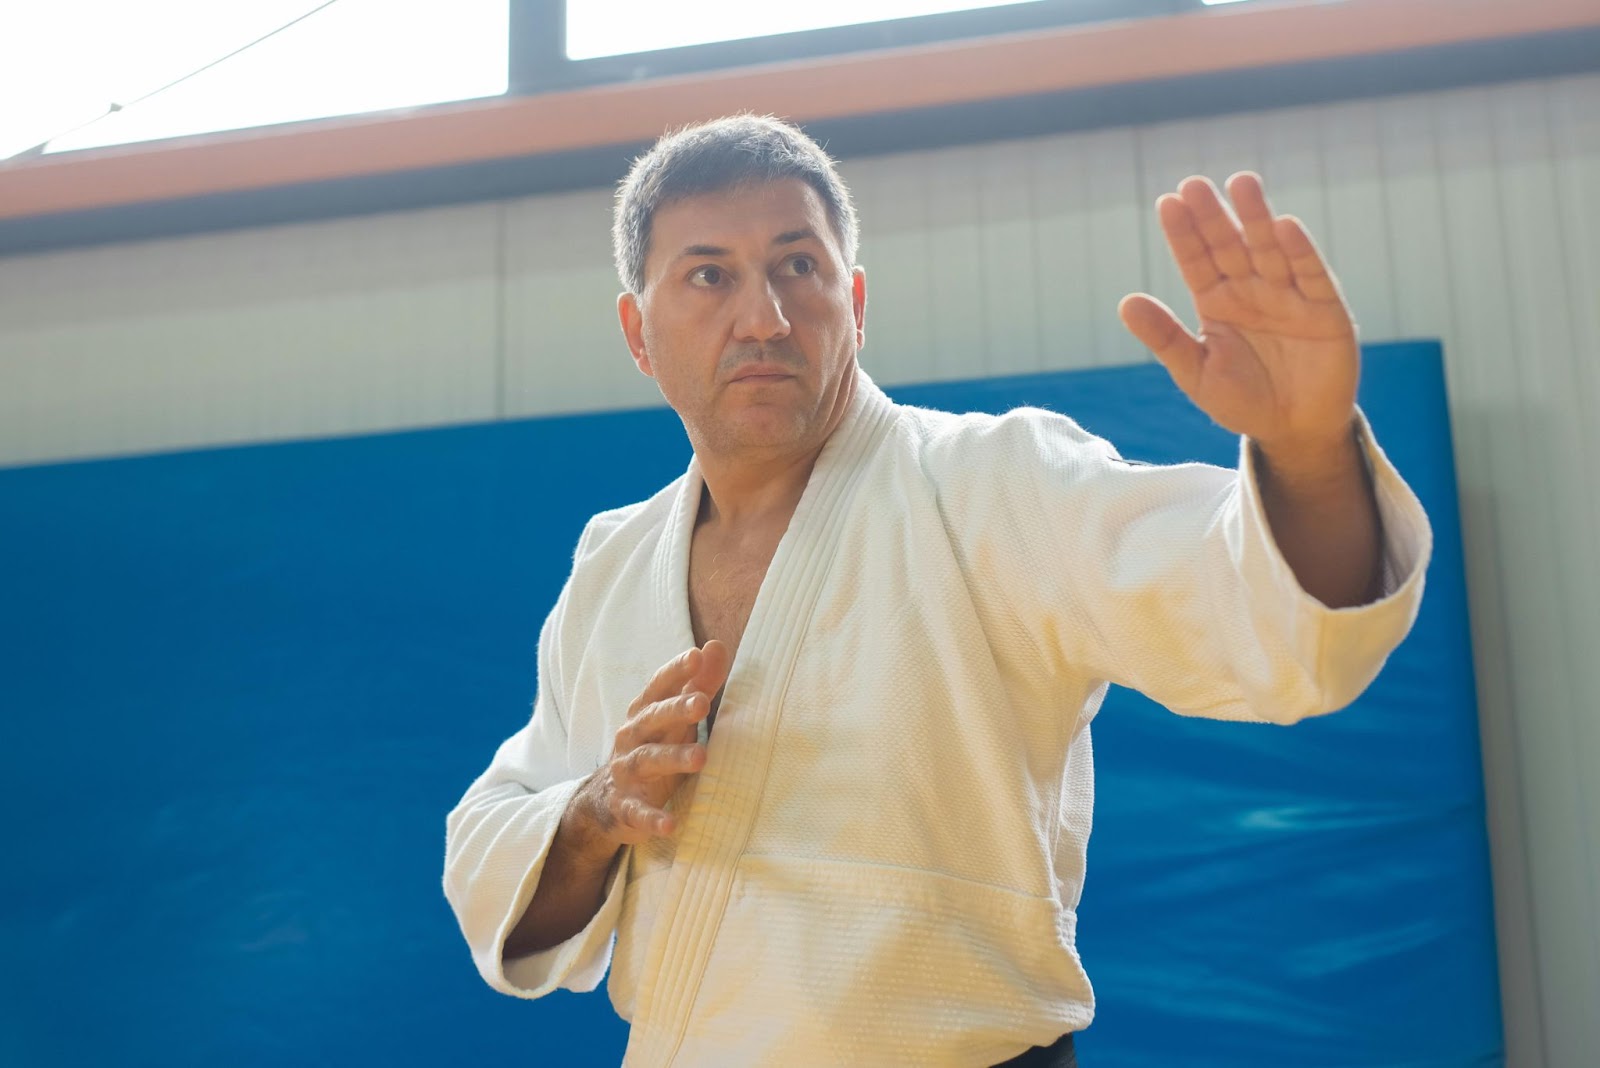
<point>722,154</point>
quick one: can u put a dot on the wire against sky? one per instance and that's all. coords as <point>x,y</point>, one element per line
<point>115,107</point>
<point>355,57</point>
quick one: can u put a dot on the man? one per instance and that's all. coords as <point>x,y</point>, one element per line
<point>811,741</point>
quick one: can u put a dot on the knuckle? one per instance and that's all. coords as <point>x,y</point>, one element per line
<point>641,815</point>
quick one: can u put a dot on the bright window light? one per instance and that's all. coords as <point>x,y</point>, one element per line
<point>65,62</point>
<point>598,28</point>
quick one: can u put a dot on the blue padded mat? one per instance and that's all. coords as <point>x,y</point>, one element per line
<point>244,685</point>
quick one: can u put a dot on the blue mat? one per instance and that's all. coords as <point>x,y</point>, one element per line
<point>243,686</point>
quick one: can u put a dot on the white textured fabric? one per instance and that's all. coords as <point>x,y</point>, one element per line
<point>880,862</point>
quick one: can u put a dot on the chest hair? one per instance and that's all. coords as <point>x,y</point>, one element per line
<point>725,576</point>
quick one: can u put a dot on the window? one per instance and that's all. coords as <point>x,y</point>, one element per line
<point>89,73</point>
<point>70,61</point>
<point>560,44</point>
<point>616,27</point>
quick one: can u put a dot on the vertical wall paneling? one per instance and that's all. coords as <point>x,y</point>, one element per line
<point>1575,131</point>
<point>1543,683</point>
<point>320,328</point>
<point>899,256</point>
<point>1117,229</point>
<point>955,242</point>
<point>1574,117</point>
<point>1357,241</point>
<point>1413,216</point>
<point>1575,135</point>
<point>1063,259</point>
<point>1008,280</point>
<point>1561,477</point>
<point>564,349</point>
<point>1229,143</point>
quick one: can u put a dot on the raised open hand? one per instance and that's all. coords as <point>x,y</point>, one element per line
<point>1276,356</point>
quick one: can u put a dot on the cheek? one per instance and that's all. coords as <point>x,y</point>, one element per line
<point>679,351</point>
<point>678,329</point>
<point>832,316</point>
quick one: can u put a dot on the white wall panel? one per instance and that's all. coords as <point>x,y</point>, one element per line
<point>326,328</point>
<point>1063,252</point>
<point>1117,224</point>
<point>1470,215</point>
<point>1559,614</point>
<point>955,240</point>
<point>564,348</point>
<point>900,256</point>
<point>1009,283</point>
<point>1357,224</point>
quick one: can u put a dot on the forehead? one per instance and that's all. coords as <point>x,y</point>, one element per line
<point>738,216</point>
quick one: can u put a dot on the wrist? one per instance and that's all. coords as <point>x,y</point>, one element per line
<point>1310,459</point>
<point>585,827</point>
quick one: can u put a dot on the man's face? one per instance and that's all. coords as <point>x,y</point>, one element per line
<point>750,318</point>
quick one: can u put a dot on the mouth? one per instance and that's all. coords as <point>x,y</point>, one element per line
<point>758,374</point>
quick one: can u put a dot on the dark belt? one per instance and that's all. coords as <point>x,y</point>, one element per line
<point>1057,1054</point>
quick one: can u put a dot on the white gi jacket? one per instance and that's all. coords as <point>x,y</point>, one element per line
<point>881,860</point>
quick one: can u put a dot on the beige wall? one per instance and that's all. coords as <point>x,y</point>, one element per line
<point>1470,215</point>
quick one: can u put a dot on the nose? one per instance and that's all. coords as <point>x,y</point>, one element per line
<point>759,316</point>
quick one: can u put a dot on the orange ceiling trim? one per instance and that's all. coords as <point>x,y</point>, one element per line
<point>1075,57</point>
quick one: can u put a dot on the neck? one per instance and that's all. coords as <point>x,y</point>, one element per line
<point>744,488</point>
<point>738,494</point>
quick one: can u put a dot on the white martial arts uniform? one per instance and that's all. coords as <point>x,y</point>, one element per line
<point>880,862</point>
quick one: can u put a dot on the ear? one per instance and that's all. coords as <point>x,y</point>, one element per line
<point>858,302</point>
<point>632,320</point>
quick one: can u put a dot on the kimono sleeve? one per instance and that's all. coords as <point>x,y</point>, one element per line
<point>1167,579</point>
<point>499,834</point>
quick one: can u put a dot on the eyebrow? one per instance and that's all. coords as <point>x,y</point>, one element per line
<point>788,237</point>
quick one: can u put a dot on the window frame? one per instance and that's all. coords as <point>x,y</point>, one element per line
<point>538,63</point>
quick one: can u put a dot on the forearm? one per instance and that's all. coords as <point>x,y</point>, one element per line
<point>571,886</point>
<point>1324,517</point>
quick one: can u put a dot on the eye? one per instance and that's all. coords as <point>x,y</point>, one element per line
<point>708,277</point>
<point>799,266</point>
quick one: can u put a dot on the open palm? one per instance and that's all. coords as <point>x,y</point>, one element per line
<point>1276,356</point>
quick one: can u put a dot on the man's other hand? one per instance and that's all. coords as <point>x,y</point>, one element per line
<point>625,800</point>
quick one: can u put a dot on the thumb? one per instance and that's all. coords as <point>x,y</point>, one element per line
<point>1160,331</point>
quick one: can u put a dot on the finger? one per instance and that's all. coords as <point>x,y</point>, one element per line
<point>1189,249</point>
<point>1217,226</point>
<point>715,664</point>
<point>1311,274</point>
<point>1255,215</point>
<point>658,760</point>
<point>668,679</point>
<point>665,720</point>
<point>633,813</point>
<point>1153,323</point>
